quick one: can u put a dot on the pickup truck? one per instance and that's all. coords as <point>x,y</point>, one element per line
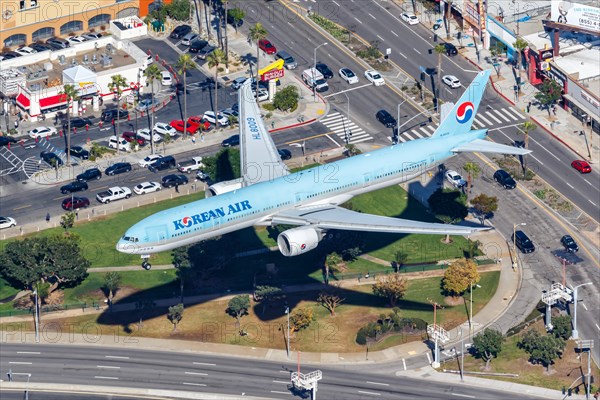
<point>190,165</point>
<point>113,193</point>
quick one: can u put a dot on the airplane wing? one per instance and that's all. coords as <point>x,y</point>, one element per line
<point>260,160</point>
<point>333,217</point>
<point>485,146</point>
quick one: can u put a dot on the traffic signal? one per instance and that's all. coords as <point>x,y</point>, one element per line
<point>435,37</point>
<point>422,76</point>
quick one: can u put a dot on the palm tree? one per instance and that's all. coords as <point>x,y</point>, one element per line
<point>117,84</point>
<point>152,74</point>
<point>185,63</point>
<point>72,95</point>
<point>440,50</point>
<point>520,45</point>
<point>257,33</point>
<point>226,2</point>
<point>213,60</point>
<point>526,127</point>
<point>473,171</point>
<point>447,17</point>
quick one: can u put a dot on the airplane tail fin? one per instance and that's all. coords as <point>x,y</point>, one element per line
<point>460,119</point>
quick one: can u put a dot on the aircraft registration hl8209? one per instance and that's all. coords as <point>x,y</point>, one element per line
<point>268,194</point>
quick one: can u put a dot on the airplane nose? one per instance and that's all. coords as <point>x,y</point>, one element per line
<point>126,247</point>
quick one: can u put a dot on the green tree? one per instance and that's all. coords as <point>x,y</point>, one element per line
<point>112,282</point>
<point>400,259</point>
<point>301,319</point>
<point>185,63</point>
<point>72,95</point>
<point>213,60</point>
<point>56,259</point>
<point>116,85</point>
<point>484,205</point>
<point>238,306</point>
<point>449,206</point>
<point>520,45</point>
<point>67,220</point>
<point>487,345</point>
<point>330,298</point>
<point>562,327</point>
<point>459,276</point>
<point>175,315</point>
<point>542,349</point>
<point>266,294</point>
<point>473,171</point>
<point>179,10</point>
<point>332,264</point>
<point>525,128</point>
<point>392,286</point>
<point>440,50</point>
<point>237,14</point>
<point>152,74</point>
<point>257,33</point>
<point>549,93</point>
<point>286,99</point>
<point>181,261</point>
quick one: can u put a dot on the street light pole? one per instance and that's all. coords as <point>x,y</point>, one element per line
<point>314,69</point>
<point>287,311</point>
<point>575,332</point>
<point>347,124</point>
<point>36,316</point>
<point>398,122</point>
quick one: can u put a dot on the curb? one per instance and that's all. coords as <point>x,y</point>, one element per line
<point>557,138</point>
<point>293,125</point>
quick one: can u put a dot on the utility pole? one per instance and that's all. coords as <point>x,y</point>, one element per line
<point>287,311</point>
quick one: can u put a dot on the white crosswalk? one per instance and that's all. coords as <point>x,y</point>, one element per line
<point>490,118</point>
<point>338,124</point>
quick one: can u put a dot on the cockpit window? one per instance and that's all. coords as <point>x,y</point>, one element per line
<point>130,239</point>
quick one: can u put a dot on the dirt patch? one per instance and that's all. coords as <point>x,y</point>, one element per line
<point>454,301</point>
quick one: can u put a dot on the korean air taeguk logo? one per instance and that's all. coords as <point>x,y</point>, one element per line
<point>465,112</point>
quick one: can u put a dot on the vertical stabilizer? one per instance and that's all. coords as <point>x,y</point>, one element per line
<point>460,119</point>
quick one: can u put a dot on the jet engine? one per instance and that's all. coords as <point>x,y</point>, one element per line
<point>224,187</point>
<point>294,242</point>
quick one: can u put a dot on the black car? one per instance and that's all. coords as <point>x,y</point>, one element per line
<point>5,140</point>
<point>118,168</point>
<point>172,180</point>
<point>325,70</point>
<point>450,49</point>
<point>569,243</point>
<point>79,122</point>
<point>206,50</point>
<point>523,242</point>
<point>79,152</point>
<point>504,179</point>
<point>163,163</point>
<point>231,141</point>
<point>386,119</point>
<point>72,187</point>
<point>109,115</point>
<point>89,174</point>
<point>285,154</point>
<point>70,204</point>
<point>41,46</point>
<point>181,31</point>
<point>51,158</point>
<point>197,45</point>
<point>11,55</point>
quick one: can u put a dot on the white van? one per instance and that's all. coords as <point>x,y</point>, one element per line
<point>123,144</point>
<point>315,79</point>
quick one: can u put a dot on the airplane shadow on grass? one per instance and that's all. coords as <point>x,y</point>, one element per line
<point>265,267</point>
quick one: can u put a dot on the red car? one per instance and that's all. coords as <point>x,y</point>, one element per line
<point>178,125</point>
<point>267,46</point>
<point>131,136</point>
<point>197,120</point>
<point>581,166</point>
<point>75,203</point>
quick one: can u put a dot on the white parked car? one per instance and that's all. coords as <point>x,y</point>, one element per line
<point>144,133</point>
<point>237,83</point>
<point>348,75</point>
<point>7,222</point>
<point>451,81</point>
<point>374,77</point>
<point>92,35</point>
<point>42,132</point>
<point>25,50</point>
<point>166,78</point>
<point>410,18</point>
<point>455,179</point>
<point>123,144</point>
<point>210,117</point>
<point>149,160</point>
<point>76,39</point>
<point>263,94</point>
<point>147,187</point>
<point>164,129</point>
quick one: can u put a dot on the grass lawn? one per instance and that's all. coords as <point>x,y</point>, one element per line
<point>6,290</point>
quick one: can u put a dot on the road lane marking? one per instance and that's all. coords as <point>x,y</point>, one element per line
<point>193,384</point>
<point>501,115</point>
<point>348,90</point>
<point>378,383</point>
<point>107,366</point>
<point>20,208</point>
<point>541,163</point>
<point>462,395</point>
<point>195,373</point>
<point>371,393</point>
<point>106,377</point>
<point>286,382</point>
<point>20,362</point>
<point>358,20</point>
<point>403,55</point>
<point>209,364</point>
<point>598,327</point>
<point>404,363</point>
<point>509,114</point>
<point>394,33</point>
<point>588,182</point>
<point>28,352</point>
<point>489,114</point>
<point>371,15</point>
<point>592,202</point>
<point>285,372</point>
<point>336,3</point>
<point>487,121</point>
<point>380,38</point>
<point>275,391</point>
<point>119,357</point>
<point>569,185</point>
<point>428,357</point>
<point>416,50</point>
<point>583,304</point>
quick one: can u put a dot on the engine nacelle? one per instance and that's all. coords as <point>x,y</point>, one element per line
<point>294,242</point>
<point>224,187</point>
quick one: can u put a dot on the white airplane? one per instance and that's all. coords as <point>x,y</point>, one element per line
<point>268,194</point>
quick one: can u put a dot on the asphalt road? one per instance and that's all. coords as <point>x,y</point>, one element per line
<point>217,374</point>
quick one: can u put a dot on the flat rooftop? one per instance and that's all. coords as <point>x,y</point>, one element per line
<point>584,62</point>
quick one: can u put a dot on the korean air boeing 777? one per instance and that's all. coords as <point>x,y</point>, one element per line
<point>268,194</point>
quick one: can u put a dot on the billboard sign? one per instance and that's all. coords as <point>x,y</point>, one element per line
<point>576,14</point>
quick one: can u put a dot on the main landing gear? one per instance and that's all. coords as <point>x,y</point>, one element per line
<point>145,264</point>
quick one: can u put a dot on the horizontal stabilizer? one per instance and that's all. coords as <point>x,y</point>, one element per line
<point>485,146</point>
